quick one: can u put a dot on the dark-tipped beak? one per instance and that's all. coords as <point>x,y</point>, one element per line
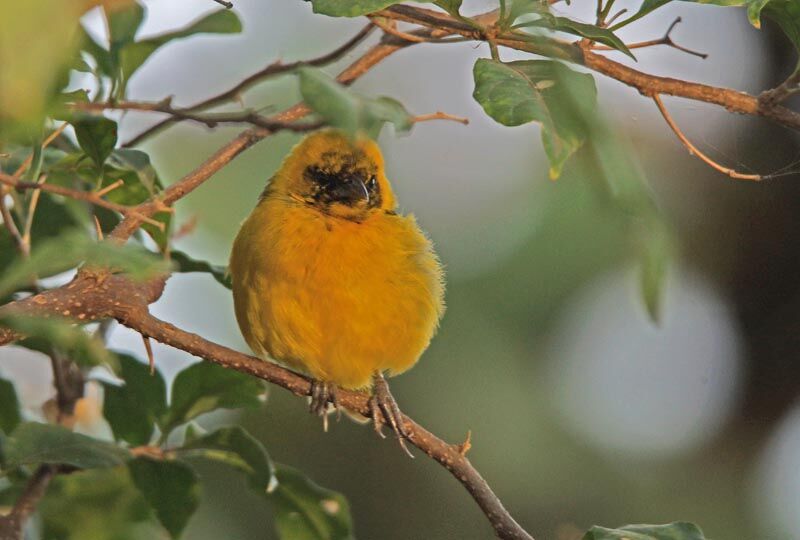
<point>349,191</point>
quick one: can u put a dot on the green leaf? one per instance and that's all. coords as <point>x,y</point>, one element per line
<point>73,247</point>
<point>678,530</point>
<point>185,264</point>
<point>590,31</point>
<point>204,387</point>
<point>52,218</point>
<point>34,444</point>
<point>544,91</point>
<point>97,504</point>
<point>9,407</point>
<point>305,511</point>
<point>784,12</point>
<point>97,136</point>
<point>105,63</point>
<point>656,257</point>
<point>170,488</point>
<point>123,23</point>
<point>133,409</point>
<point>517,8</point>
<point>348,111</point>
<point>44,334</point>
<point>236,448</point>
<point>133,55</point>
<point>613,161</point>
<point>350,8</point>
<point>141,183</point>
<point>450,6</point>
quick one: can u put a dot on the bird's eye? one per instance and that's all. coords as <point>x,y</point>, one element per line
<point>372,182</point>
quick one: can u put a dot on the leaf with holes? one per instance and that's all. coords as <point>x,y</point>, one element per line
<point>304,510</point>
<point>544,91</point>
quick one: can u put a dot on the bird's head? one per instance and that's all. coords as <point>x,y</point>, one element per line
<point>335,174</point>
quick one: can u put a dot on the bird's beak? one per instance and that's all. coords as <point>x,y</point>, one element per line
<point>349,191</point>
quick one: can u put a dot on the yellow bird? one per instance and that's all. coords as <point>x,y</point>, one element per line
<point>329,280</point>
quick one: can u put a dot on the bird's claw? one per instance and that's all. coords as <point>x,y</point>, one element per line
<point>322,393</point>
<point>382,403</point>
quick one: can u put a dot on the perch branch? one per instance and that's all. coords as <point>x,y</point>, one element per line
<point>91,296</point>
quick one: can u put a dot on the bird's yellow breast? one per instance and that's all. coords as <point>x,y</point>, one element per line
<point>334,298</point>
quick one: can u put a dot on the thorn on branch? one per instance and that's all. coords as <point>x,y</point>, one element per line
<point>465,446</point>
<point>148,347</point>
<point>109,188</point>
<point>693,150</point>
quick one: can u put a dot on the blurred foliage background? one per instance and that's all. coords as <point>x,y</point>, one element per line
<point>581,410</point>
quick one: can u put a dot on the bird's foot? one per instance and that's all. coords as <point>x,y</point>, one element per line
<point>323,393</point>
<point>382,403</point>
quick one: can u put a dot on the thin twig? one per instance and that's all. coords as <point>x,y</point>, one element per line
<point>228,5</point>
<point>388,28</point>
<point>276,68</point>
<point>88,196</point>
<point>665,40</point>
<point>210,120</point>
<point>26,233</point>
<point>693,149</point>
<point>781,92</point>
<point>616,16</point>
<point>439,115</point>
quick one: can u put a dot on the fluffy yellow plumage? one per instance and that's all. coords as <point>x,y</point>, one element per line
<point>327,278</point>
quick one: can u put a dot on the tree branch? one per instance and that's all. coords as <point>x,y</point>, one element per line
<point>271,70</point>
<point>647,84</point>
<point>666,39</point>
<point>11,525</point>
<point>93,197</point>
<point>695,151</point>
<point>93,296</point>
<point>210,120</point>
